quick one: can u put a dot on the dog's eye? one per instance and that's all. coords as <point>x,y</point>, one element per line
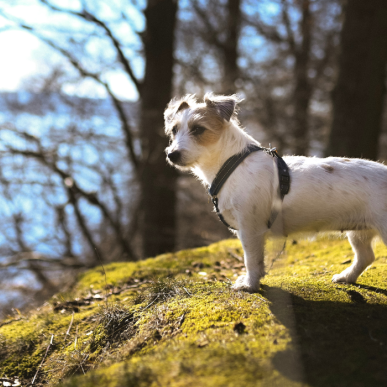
<point>197,130</point>
<point>174,130</point>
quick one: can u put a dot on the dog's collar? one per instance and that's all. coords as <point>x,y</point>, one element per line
<point>232,163</point>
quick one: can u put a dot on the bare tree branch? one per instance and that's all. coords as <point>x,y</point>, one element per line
<point>289,31</point>
<point>328,52</point>
<point>267,31</point>
<point>116,102</point>
<point>74,191</point>
<point>211,34</point>
<point>91,18</point>
<point>82,224</point>
<point>62,222</point>
<point>40,275</point>
<point>32,256</point>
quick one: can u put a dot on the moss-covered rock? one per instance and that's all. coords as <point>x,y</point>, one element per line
<point>174,321</point>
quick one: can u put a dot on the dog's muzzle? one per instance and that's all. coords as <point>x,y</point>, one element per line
<point>174,157</point>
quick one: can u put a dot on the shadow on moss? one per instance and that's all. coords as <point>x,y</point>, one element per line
<point>335,343</point>
<point>141,377</point>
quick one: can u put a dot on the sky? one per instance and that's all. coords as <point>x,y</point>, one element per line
<point>19,49</point>
<point>18,59</point>
<point>24,55</point>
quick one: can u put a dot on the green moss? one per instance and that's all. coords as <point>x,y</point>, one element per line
<point>187,327</point>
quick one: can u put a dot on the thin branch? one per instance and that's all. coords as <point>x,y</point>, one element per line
<point>74,191</point>
<point>118,202</point>
<point>37,257</point>
<point>44,358</point>
<point>91,18</point>
<point>125,126</point>
<point>328,52</point>
<point>124,61</point>
<point>269,32</point>
<point>68,330</point>
<point>211,34</point>
<point>194,69</point>
<point>18,220</point>
<point>116,102</point>
<point>289,31</point>
<point>62,222</point>
<point>82,222</point>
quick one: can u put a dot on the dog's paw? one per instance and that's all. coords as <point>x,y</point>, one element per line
<point>343,278</point>
<point>244,283</point>
<point>337,278</point>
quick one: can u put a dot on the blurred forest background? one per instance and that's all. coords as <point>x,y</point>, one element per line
<point>83,177</point>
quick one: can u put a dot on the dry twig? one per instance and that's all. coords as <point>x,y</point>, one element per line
<point>44,358</point>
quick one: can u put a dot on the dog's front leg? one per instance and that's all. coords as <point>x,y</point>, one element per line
<point>253,246</point>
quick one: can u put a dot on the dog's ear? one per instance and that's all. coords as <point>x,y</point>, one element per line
<point>225,105</point>
<point>183,105</point>
<point>177,105</point>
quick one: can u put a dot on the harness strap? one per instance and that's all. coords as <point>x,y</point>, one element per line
<point>232,163</point>
<point>229,167</point>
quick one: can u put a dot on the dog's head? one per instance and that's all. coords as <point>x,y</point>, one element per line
<point>194,128</point>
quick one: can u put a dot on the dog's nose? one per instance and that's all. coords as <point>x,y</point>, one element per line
<point>174,156</point>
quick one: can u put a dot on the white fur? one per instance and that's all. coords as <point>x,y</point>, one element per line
<point>326,194</point>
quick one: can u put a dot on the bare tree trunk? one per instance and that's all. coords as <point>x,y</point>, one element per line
<point>230,50</point>
<point>359,92</point>
<point>302,89</point>
<point>157,179</point>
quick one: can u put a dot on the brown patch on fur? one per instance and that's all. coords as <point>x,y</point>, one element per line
<point>209,118</point>
<point>345,160</point>
<point>365,178</point>
<point>208,138</point>
<point>328,168</point>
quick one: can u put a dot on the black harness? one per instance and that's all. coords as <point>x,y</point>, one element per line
<point>232,163</point>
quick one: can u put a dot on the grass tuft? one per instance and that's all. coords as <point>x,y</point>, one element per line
<point>117,321</point>
<point>162,289</point>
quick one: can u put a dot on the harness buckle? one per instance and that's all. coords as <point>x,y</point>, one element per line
<point>272,151</point>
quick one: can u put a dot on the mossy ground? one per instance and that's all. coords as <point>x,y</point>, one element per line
<point>175,321</point>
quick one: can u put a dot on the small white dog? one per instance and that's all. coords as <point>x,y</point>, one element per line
<point>331,194</point>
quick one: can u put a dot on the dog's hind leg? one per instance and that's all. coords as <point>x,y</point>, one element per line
<point>364,256</point>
